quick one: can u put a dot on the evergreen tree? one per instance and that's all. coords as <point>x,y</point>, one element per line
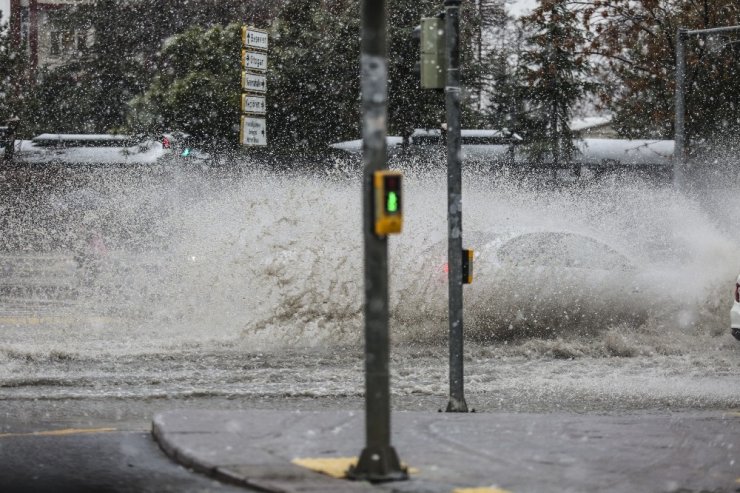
<point>557,72</point>
<point>91,92</point>
<point>482,24</point>
<point>197,90</point>
<point>472,77</point>
<point>506,89</point>
<point>13,75</point>
<point>313,75</point>
<point>409,106</point>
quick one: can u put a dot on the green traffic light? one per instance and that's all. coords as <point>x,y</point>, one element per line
<point>392,203</point>
<point>186,152</point>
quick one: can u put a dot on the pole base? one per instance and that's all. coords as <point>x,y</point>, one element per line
<point>457,406</point>
<point>378,465</point>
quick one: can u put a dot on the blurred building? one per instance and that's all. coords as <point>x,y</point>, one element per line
<point>594,127</point>
<point>35,24</point>
<point>53,32</point>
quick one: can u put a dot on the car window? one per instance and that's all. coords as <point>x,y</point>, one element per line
<point>562,250</point>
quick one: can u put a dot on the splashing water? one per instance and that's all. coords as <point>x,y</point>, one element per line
<point>261,261</point>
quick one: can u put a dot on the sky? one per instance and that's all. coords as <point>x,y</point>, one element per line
<point>5,9</point>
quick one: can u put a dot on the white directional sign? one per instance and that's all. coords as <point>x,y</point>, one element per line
<point>253,124</point>
<point>254,60</point>
<point>254,82</point>
<point>253,131</point>
<point>254,38</point>
<point>253,104</point>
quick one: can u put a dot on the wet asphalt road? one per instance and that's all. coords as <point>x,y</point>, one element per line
<point>101,446</point>
<point>99,461</point>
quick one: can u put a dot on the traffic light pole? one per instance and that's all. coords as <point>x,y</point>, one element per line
<point>679,137</point>
<point>454,207</point>
<point>680,163</point>
<point>378,461</point>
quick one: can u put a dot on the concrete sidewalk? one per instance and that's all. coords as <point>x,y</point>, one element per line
<point>682,452</point>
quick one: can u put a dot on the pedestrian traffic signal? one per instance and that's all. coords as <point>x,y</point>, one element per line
<point>388,202</point>
<point>467,266</point>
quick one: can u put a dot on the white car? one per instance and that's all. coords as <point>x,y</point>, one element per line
<point>735,312</point>
<point>542,282</point>
<point>87,149</point>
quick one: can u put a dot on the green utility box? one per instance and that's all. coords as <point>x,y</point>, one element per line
<point>433,60</point>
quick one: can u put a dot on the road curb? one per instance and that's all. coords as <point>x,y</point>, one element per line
<point>453,452</point>
<point>264,472</point>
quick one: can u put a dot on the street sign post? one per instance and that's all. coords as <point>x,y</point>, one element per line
<point>253,103</point>
<point>378,461</point>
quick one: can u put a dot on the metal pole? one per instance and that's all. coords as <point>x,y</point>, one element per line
<point>10,139</point>
<point>680,165</point>
<point>454,207</point>
<point>679,152</point>
<point>378,460</point>
<point>714,30</point>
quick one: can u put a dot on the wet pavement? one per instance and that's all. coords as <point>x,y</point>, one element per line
<point>659,452</point>
<point>96,460</point>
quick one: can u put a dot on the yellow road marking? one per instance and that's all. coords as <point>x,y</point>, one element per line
<point>59,433</point>
<point>336,467</point>
<point>480,490</point>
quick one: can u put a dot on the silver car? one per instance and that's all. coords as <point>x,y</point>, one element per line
<point>543,283</point>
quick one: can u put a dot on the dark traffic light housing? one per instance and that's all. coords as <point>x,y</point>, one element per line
<point>467,266</point>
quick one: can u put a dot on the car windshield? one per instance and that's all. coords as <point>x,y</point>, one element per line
<point>562,250</point>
